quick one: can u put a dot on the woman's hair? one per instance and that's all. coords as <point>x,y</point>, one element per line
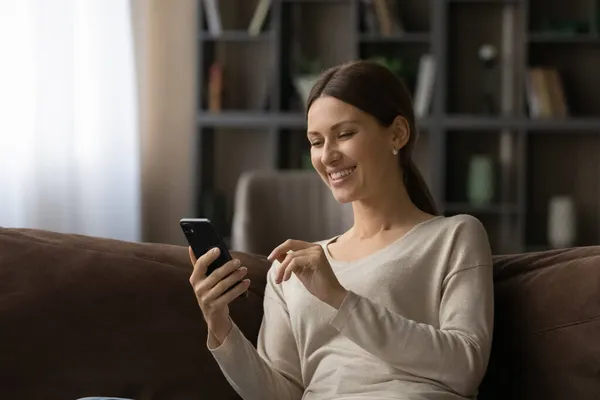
<point>375,90</point>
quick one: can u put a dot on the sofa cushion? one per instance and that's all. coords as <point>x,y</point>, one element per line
<point>83,316</point>
<point>547,326</point>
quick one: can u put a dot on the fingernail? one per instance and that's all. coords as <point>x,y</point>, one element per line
<point>247,281</point>
<point>244,269</point>
<point>215,250</point>
<point>237,262</point>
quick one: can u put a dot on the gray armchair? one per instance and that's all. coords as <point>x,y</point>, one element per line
<point>272,206</point>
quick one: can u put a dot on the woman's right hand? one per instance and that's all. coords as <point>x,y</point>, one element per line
<point>210,292</point>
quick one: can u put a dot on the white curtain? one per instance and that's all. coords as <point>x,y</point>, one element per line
<point>69,142</point>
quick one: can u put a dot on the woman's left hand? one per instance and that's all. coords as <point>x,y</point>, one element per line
<point>309,263</point>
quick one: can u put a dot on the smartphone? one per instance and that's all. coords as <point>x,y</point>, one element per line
<point>202,236</point>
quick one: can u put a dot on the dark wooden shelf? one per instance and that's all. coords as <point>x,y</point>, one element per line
<point>456,208</point>
<point>558,38</point>
<point>252,119</point>
<point>249,119</point>
<point>467,122</point>
<point>342,2</point>
<point>486,2</point>
<point>235,36</point>
<point>407,37</point>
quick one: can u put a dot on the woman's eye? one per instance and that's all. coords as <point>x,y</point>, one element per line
<point>346,135</point>
<point>315,143</point>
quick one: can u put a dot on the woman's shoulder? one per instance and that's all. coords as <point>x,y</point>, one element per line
<point>464,224</point>
<point>460,240</point>
<point>458,219</point>
<point>468,240</point>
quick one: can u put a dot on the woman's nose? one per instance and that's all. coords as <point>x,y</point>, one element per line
<point>330,154</point>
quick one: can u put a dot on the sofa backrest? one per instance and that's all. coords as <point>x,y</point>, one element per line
<point>83,316</point>
<point>547,326</point>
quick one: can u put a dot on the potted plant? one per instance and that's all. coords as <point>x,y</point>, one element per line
<point>307,73</point>
<point>399,67</point>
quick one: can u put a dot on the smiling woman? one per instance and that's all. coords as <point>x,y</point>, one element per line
<point>400,306</point>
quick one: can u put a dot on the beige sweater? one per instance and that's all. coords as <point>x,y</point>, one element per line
<point>417,324</point>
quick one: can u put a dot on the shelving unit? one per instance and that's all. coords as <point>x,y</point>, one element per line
<point>255,133</point>
<point>235,36</point>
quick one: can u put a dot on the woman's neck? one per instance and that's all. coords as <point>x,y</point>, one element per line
<point>389,210</point>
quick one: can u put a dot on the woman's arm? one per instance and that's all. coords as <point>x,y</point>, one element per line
<point>457,353</point>
<point>272,370</point>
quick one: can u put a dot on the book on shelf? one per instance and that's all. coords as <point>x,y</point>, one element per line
<point>424,86</point>
<point>545,93</point>
<point>383,17</point>
<point>394,11</point>
<point>259,17</point>
<point>213,17</point>
<point>370,23</point>
<point>215,87</point>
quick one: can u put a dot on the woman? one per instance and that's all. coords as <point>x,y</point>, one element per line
<point>398,307</point>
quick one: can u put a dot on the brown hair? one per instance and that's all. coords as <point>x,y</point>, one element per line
<point>374,89</point>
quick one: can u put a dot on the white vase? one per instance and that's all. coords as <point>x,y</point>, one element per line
<point>304,84</point>
<point>562,222</point>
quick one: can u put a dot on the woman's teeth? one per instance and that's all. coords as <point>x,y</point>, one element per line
<point>341,174</point>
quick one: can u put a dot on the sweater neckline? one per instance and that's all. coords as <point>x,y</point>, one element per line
<point>376,253</point>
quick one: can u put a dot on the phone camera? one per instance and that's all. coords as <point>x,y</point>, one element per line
<point>188,229</point>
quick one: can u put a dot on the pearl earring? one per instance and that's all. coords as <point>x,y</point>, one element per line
<point>395,151</point>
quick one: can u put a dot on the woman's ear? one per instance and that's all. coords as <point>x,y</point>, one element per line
<point>400,132</point>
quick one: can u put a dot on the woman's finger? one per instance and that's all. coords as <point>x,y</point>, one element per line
<point>201,265</point>
<point>280,251</point>
<point>234,293</point>
<point>222,272</point>
<point>284,264</point>
<point>298,253</point>
<point>289,245</point>
<point>192,255</point>
<point>226,283</point>
<point>297,264</point>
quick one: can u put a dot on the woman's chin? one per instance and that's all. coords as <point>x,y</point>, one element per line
<point>343,196</point>
<point>342,193</point>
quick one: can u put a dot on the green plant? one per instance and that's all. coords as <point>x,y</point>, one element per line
<point>308,66</point>
<point>402,69</point>
<point>396,65</point>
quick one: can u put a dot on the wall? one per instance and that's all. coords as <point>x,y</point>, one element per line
<point>166,50</point>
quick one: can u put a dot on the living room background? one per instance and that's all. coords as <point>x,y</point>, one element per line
<point>506,91</point>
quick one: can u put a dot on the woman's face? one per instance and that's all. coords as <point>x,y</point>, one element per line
<point>350,150</point>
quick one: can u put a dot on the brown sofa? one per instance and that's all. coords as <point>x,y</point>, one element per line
<point>83,316</point>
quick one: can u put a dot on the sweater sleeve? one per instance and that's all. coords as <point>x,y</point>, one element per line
<point>272,369</point>
<point>455,354</point>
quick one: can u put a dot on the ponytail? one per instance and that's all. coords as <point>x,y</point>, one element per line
<point>417,189</point>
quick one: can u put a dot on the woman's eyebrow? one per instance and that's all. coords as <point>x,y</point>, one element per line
<point>335,126</point>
